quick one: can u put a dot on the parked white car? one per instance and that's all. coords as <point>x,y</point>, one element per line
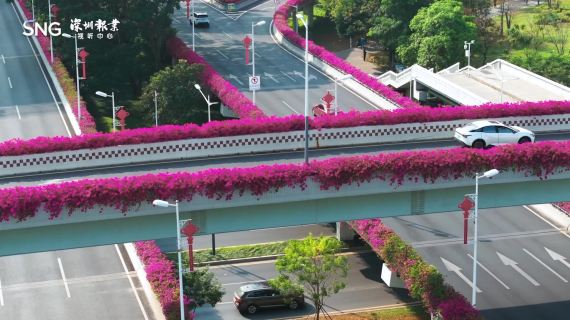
<point>484,133</point>
<point>200,19</point>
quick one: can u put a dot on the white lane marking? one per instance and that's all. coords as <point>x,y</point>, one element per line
<point>548,222</point>
<point>544,265</point>
<point>288,76</point>
<point>271,76</point>
<point>131,282</point>
<point>513,264</point>
<point>257,55</point>
<point>489,272</point>
<point>45,77</point>
<point>18,111</point>
<point>231,76</point>
<point>222,54</point>
<point>63,277</point>
<point>455,269</point>
<point>557,257</point>
<point>175,20</point>
<point>319,71</point>
<point>1,295</point>
<point>10,83</point>
<point>227,35</point>
<point>238,283</point>
<point>3,60</point>
<point>288,106</point>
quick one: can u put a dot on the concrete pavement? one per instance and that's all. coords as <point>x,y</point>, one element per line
<point>364,289</point>
<point>282,74</point>
<point>517,276</point>
<point>87,283</point>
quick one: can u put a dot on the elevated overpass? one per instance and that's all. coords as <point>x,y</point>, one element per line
<point>495,82</point>
<point>286,207</point>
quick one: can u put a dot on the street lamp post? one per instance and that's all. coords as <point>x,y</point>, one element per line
<point>306,153</point>
<point>33,11</point>
<point>336,80</point>
<point>488,174</point>
<point>50,36</point>
<point>67,35</point>
<point>165,204</point>
<point>197,86</point>
<point>155,108</point>
<point>253,25</point>
<point>193,23</point>
<point>112,96</point>
<point>467,47</point>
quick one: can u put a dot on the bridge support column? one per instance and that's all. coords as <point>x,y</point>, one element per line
<point>344,232</point>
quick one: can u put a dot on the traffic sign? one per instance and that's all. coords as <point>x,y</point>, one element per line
<point>254,83</point>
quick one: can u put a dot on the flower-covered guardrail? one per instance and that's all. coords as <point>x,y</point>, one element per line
<point>278,124</point>
<point>281,23</point>
<point>160,273</point>
<point>538,159</point>
<point>222,88</point>
<point>86,123</point>
<point>423,281</point>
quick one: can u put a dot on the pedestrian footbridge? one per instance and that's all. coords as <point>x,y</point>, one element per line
<point>286,207</point>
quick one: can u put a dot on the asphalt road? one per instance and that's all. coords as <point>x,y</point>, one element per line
<point>282,73</point>
<point>248,160</point>
<point>90,283</point>
<point>364,289</point>
<point>537,287</point>
<point>28,106</point>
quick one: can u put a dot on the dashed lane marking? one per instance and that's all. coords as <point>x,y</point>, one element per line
<point>63,277</point>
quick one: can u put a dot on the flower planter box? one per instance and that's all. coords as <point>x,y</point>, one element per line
<point>391,279</point>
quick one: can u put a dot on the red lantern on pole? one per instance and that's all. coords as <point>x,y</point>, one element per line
<point>328,99</point>
<point>83,54</point>
<point>54,10</point>
<point>466,205</point>
<point>189,230</point>
<point>188,9</point>
<point>247,43</point>
<point>122,114</point>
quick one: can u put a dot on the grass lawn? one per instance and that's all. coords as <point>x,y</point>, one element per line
<point>397,313</point>
<point>234,252</point>
<point>524,17</point>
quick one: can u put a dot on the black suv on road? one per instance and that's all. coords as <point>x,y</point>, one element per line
<point>252,297</point>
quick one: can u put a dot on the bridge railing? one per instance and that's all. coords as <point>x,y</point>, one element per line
<point>254,143</point>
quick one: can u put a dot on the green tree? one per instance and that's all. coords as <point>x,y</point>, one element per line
<point>390,22</point>
<point>203,287</point>
<point>135,52</point>
<point>178,101</point>
<point>287,288</point>
<point>351,17</point>
<point>316,264</point>
<point>438,32</point>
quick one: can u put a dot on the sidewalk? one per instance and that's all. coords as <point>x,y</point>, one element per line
<point>354,57</point>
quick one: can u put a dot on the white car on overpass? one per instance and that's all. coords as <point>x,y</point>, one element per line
<point>484,133</point>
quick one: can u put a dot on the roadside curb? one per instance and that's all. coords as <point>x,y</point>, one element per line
<point>141,274</point>
<point>360,249</point>
<point>553,215</point>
